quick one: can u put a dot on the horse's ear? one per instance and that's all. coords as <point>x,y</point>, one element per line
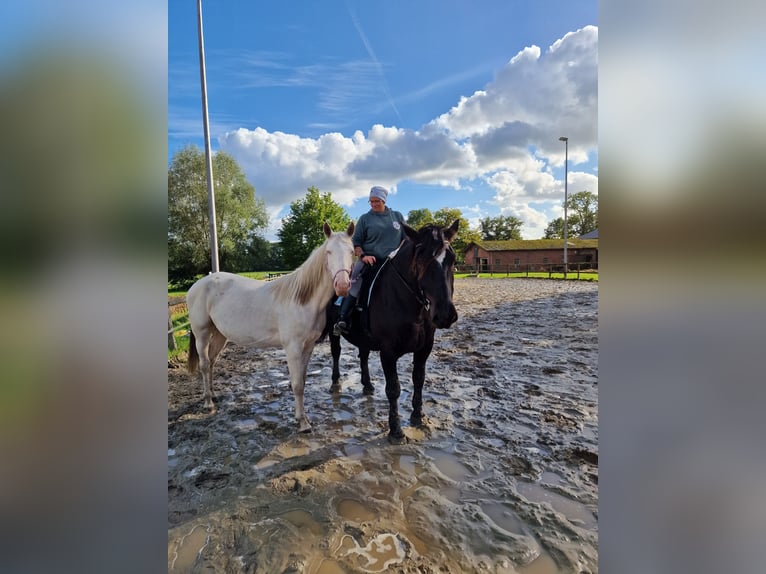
<point>350,230</point>
<point>452,230</point>
<point>410,232</point>
<point>327,229</point>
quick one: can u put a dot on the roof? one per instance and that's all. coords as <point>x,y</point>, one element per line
<point>590,235</point>
<point>529,244</point>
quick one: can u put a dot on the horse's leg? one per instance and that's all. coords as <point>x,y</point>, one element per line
<point>203,337</point>
<point>388,362</point>
<point>419,359</point>
<point>335,351</point>
<point>215,346</point>
<point>364,355</point>
<point>298,355</point>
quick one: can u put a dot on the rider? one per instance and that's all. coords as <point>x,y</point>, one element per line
<point>377,233</point>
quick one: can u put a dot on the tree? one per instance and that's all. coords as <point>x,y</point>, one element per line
<point>417,218</point>
<point>445,216</point>
<point>301,230</point>
<point>465,235</point>
<point>582,217</point>
<point>240,216</point>
<point>555,229</point>
<point>500,228</point>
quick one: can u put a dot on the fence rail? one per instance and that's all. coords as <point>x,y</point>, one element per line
<point>510,269</point>
<point>171,329</point>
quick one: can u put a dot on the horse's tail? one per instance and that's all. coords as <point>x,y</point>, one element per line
<point>193,361</point>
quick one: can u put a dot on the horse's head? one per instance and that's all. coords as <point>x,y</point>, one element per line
<point>434,265</point>
<point>340,257</point>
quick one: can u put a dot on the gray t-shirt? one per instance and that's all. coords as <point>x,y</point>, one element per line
<point>379,234</point>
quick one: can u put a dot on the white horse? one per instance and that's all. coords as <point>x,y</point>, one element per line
<point>288,312</point>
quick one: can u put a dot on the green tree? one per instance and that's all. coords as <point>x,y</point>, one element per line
<point>417,218</point>
<point>301,230</point>
<point>555,229</point>
<point>500,228</point>
<point>582,216</point>
<point>465,234</point>
<point>240,216</point>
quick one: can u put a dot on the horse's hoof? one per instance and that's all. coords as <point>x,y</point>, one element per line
<point>368,391</point>
<point>397,438</point>
<point>334,388</point>
<point>417,421</point>
<point>304,427</point>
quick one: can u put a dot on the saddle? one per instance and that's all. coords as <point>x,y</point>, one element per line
<point>361,310</point>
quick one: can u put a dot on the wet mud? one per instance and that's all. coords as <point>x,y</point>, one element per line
<point>502,478</point>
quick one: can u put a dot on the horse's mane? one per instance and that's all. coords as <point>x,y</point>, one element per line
<point>300,285</point>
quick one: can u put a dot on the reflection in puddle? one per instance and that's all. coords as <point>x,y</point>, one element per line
<point>543,564</point>
<point>354,510</point>
<point>571,509</point>
<point>189,548</point>
<point>503,517</point>
<point>302,519</point>
<point>286,450</point>
<point>449,465</point>
<point>381,552</point>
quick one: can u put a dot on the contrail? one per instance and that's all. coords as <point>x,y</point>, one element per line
<point>374,58</point>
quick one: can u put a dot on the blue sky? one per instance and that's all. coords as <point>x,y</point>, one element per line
<point>447,103</point>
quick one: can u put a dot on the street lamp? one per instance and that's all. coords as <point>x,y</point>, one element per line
<point>566,166</point>
<point>208,153</point>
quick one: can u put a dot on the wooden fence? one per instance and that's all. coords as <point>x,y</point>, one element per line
<point>174,302</point>
<point>512,270</point>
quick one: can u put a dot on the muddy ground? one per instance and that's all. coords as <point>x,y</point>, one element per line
<point>504,477</point>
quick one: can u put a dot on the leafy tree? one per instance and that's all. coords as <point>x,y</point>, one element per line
<point>417,218</point>
<point>582,217</point>
<point>301,230</point>
<point>500,228</point>
<point>264,255</point>
<point>239,214</point>
<point>465,234</point>
<point>555,229</point>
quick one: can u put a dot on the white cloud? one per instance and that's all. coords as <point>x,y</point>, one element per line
<point>505,134</point>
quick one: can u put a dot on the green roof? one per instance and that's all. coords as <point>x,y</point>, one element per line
<point>527,244</point>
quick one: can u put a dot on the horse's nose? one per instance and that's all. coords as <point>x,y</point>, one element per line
<point>341,288</point>
<point>445,320</point>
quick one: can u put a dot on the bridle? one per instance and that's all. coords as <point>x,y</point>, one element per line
<point>335,277</point>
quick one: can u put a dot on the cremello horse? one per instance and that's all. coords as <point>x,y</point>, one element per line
<point>288,312</point>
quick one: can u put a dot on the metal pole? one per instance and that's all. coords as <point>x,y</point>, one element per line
<point>208,156</point>
<point>566,167</point>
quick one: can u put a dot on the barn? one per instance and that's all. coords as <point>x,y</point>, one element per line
<point>530,254</point>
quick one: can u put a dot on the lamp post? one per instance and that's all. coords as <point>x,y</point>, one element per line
<point>208,155</point>
<point>566,166</point>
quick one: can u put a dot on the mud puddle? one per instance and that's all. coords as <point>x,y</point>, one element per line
<point>503,478</point>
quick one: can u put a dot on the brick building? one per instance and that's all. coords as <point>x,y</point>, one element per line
<point>530,254</point>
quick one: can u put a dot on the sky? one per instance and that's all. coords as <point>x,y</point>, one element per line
<point>446,103</point>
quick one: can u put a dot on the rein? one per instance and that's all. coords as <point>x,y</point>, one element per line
<point>419,297</point>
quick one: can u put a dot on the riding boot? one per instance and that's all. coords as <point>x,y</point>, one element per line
<point>344,320</point>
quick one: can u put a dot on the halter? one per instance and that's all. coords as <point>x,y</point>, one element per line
<point>334,277</point>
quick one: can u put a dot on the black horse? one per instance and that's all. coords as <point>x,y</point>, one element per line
<point>410,296</point>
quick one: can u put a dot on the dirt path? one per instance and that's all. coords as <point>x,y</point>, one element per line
<point>504,478</point>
